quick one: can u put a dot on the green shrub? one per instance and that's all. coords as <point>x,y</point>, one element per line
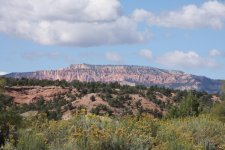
<point>189,106</point>
<point>106,110</point>
<point>92,98</point>
<point>191,133</point>
<point>218,111</point>
<point>29,140</point>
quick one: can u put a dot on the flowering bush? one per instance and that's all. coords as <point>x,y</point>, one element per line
<point>91,132</point>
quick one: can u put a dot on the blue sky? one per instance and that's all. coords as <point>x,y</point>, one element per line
<point>177,35</point>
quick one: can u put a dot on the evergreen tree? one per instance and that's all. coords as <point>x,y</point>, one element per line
<point>188,107</point>
<point>222,91</point>
<point>2,84</point>
<point>218,110</point>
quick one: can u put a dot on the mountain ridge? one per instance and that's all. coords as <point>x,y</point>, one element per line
<point>126,74</point>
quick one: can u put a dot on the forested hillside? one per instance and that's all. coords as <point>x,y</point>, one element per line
<point>61,97</point>
<point>45,114</point>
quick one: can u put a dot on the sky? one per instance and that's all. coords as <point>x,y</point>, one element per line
<point>187,35</point>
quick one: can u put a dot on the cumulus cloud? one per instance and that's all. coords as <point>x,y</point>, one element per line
<point>3,73</point>
<point>97,22</point>
<point>216,53</point>
<point>140,15</point>
<point>209,14</point>
<point>145,53</point>
<point>113,57</point>
<point>183,60</point>
<point>68,10</point>
<point>69,22</point>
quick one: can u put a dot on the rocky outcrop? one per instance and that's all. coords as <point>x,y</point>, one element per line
<point>30,94</point>
<point>131,75</point>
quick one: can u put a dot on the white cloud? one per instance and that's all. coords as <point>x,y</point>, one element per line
<point>209,14</point>
<point>68,10</point>
<point>215,53</point>
<point>142,15</point>
<point>113,56</point>
<point>69,22</point>
<point>183,60</point>
<point>2,73</point>
<point>146,53</point>
<point>96,22</point>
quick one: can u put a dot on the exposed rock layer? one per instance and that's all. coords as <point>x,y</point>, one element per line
<point>127,74</point>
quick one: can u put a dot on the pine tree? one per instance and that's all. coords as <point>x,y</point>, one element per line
<point>2,84</point>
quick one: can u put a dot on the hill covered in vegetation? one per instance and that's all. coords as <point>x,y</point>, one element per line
<point>46,114</point>
<point>62,97</point>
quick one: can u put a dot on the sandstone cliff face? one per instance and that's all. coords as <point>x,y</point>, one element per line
<point>127,74</point>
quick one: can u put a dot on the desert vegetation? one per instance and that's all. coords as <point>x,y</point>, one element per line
<point>180,119</point>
